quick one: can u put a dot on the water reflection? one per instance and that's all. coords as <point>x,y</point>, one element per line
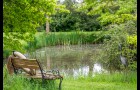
<point>97,68</point>
<point>75,60</point>
<point>83,71</point>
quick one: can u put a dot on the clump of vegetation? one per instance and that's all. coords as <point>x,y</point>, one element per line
<point>120,35</point>
<point>67,38</point>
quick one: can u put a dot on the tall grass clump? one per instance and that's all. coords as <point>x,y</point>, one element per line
<point>42,39</point>
<point>116,77</point>
<point>19,82</point>
<point>129,77</point>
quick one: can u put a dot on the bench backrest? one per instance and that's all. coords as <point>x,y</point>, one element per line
<point>25,63</point>
<point>30,64</point>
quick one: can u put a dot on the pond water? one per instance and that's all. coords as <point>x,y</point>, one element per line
<point>73,60</point>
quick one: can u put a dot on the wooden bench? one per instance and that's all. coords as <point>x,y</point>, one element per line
<point>32,68</point>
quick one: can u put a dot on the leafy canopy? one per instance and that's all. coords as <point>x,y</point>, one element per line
<point>22,17</point>
<point>111,11</point>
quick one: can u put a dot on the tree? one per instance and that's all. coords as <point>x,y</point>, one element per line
<point>75,20</point>
<point>21,19</point>
<point>119,18</point>
<point>111,11</point>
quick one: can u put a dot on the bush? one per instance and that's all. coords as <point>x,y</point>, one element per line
<point>120,35</point>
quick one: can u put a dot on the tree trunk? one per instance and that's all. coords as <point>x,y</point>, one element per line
<point>47,25</point>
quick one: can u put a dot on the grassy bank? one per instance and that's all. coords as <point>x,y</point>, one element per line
<point>114,81</point>
<point>66,38</point>
<point>84,84</point>
<point>62,38</point>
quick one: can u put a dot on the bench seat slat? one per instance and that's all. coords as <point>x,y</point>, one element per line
<point>27,66</point>
<point>22,61</point>
<point>47,76</point>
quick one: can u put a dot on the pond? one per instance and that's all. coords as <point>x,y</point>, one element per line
<point>72,60</point>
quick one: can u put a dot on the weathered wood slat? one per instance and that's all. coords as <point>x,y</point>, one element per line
<point>29,63</point>
<point>27,66</point>
<point>16,58</point>
<point>22,61</point>
<point>25,63</point>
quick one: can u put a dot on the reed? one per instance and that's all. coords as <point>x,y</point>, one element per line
<point>66,38</point>
<point>42,39</point>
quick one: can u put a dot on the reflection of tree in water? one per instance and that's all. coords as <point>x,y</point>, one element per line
<point>48,63</point>
<point>74,61</point>
<point>68,59</point>
<point>110,67</point>
<point>87,60</point>
<point>68,62</point>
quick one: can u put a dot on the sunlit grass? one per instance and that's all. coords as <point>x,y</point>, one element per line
<point>114,81</point>
<point>92,85</point>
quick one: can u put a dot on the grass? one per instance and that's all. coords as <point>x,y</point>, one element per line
<point>19,82</point>
<point>92,85</point>
<point>67,38</point>
<point>62,38</point>
<point>114,81</point>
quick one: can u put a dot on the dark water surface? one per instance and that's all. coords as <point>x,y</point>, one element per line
<point>75,60</point>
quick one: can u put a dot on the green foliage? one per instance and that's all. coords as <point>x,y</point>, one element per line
<point>120,35</point>
<point>92,15</point>
<point>15,40</point>
<point>131,51</point>
<point>25,15</point>
<point>108,13</point>
<point>132,40</point>
<point>21,19</point>
<point>6,53</point>
<point>75,20</point>
<point>112,12</point>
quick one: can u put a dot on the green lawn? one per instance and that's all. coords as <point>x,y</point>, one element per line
<point>115,81</point>
<point>91,85</point>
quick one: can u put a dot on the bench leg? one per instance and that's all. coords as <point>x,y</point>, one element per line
<point>43,83</point>
<point>60,83</point>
